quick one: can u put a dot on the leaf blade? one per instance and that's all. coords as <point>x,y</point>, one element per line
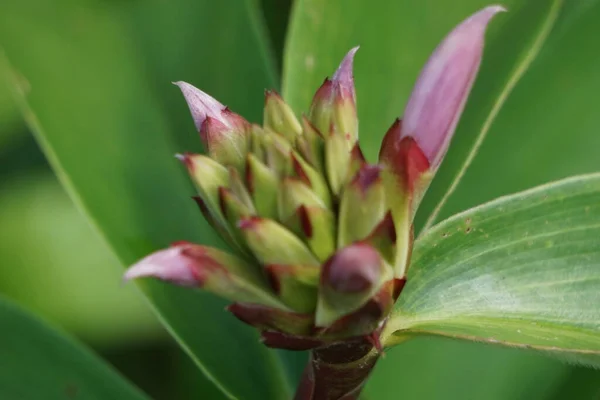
<point>39,362</point>
<point>472,279</point>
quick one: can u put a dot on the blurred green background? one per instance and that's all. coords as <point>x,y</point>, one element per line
<point>99,72</point>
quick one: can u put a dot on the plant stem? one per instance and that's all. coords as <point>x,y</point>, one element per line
<point>337,372</point>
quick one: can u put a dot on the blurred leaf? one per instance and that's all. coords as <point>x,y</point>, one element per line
<point>582,383</point>
<point>10,120</point>
<point>440,369</point>
<point>108,139</point>
<point>522,271</point>
<point>39,363</point>
<point>276,15</point>
<point>53,263</point>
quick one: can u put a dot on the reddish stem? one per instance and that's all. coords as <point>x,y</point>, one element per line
<point>337,372</point>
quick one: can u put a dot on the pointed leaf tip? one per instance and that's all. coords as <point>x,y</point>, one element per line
<point>201,105</point>
<point>441,91</point>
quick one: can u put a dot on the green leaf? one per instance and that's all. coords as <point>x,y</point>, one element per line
<point>276,16</point>
<point>93,108</point>
<point>441,368</point>
<point>40,363</point>
<point>522,271</point>
<point>53,263</point>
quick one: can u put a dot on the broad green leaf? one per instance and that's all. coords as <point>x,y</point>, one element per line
<point>522,271</point>
<point>276,17</point>
<point>9,115</point>
<point>90,101</point>
<point>40,363</point>
<point>53,263</point>
<point>582,383</point>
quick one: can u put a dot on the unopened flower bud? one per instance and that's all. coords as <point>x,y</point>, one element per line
<point>279,117</point>
<point>225,134</point>
<point>436,103</point>
<point>333,109</point>
<point>348,279</point>
<point>413,148</point>
<point>263,186</point>
<point>208,175</point>
<point>203,267</point>
<point>362,205</point>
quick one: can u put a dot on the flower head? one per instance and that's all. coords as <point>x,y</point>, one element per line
<point>322,238</point>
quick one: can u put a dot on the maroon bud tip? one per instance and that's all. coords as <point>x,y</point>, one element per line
<point>374,339</point>
<point>355,268</point>
<point>385,228</point>
<point>357,154</point>
<point>201,204</point>
<point>273,273</point>
<point>248,222</point>
<point>281,340</point>
<point>299,170</point>
<point>210,130</point>
<point>181,243</point>
<point>399,284</point>
<point>403,155</point>
<point>367,176</point>
<point>310,125</point>
<point>305,223</point>
<point>223,194</point>
<point>185,159</point>
<point>389,145</point>
<point>246,313</point>
<point>249,177</point>
<point>271,93</point>
<point>324,92</point>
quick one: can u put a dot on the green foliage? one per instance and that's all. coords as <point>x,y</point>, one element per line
<point>53,263</point>
<point>63,369</point>
<point>521,271</point>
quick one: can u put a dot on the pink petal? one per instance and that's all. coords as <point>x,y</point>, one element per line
<point>444,84</point>
<point>171,265</point>
<point>344,76</point>
<point>201,104</point>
